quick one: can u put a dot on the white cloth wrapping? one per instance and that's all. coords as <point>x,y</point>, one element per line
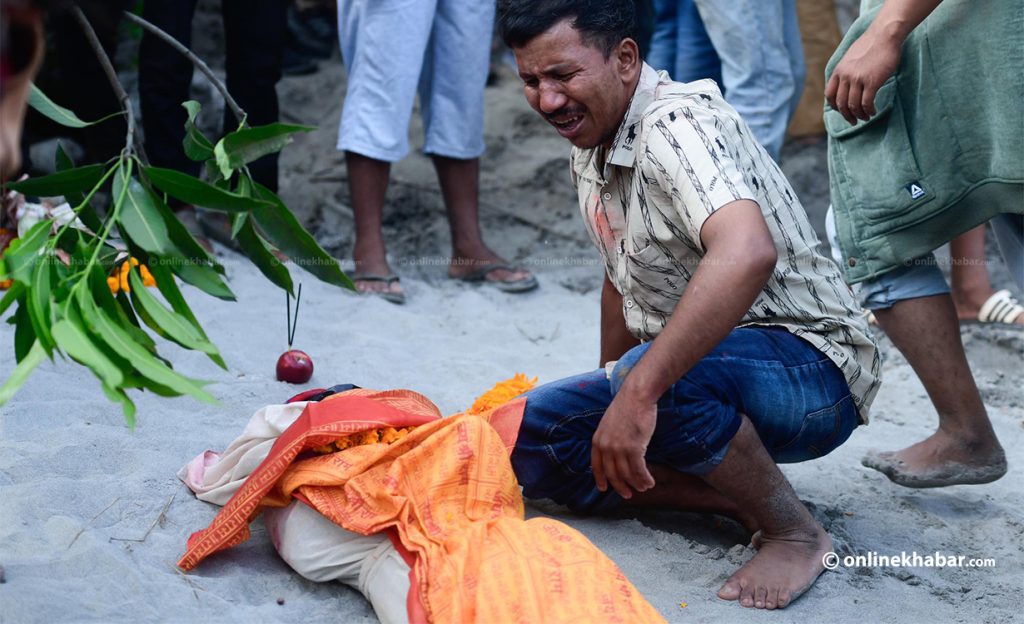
<point>311,544</point>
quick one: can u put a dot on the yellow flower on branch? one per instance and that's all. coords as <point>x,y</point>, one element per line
<point>119,280</point>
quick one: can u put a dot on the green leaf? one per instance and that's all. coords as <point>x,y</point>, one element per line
<point>101,296</point>
<point>213,173</point>
<point>137,381</point>
<point>176,327</point>
<point>205,279</point>
<point>12,294</point>
<point>77,180</point>
<point>117,395</point>
<point>20,374</point>
<point>86,213</point>
<point>198,193</point>
<point>140,219</point>
<point>254,247</point>
<point>23,253</point>
<point>181,238</point>
<point>39,305</point>
<point>24,335</point>
<point>169,289</point>
<point>122,343</point>
<point>197,146</point>
<point>285,232</point>
<point>39,101</point>
<point>73,339</point>
<point>237,221</point>
<point>61,160</point>
<point>240,148</point>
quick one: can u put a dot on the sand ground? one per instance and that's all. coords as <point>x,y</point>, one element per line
<point>92,517</point>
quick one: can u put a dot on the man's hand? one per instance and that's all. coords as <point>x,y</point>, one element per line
<point>874,57</point>
<point>620,444</point>
<point>856,79</point>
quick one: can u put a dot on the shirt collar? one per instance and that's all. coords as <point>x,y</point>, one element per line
<point>622,152</point>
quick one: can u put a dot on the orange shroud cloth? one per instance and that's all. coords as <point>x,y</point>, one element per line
<point>449,492</point>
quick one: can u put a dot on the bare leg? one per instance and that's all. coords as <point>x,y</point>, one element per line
<point>368,183</point>
<point>460,187</point>
<point>965,448</point>
<point>677,490</point>
<point>791,544</point>
<point>971,285</point>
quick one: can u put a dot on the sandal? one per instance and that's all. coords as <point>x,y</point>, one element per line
<point>523,284</point>
<point>396,297</point>
<point>1000,308</point>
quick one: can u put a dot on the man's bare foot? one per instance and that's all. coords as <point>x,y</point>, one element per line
<point>785,566</point>
<point>940,460</point>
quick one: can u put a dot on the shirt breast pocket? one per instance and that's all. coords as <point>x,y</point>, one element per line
<point>657,276</point>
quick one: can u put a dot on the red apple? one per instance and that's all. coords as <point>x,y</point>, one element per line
<point>295,367</point>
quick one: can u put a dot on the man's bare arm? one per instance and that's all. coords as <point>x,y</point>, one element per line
<point>615,338</point>
<point>874,57</point>
<point>740,258</point>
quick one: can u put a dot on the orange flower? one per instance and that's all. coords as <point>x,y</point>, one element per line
<point>119,279</point>
<point>502,392</point>
<point>384,435</point>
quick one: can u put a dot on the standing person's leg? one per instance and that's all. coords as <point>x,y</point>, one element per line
<point>382,45</point>
<point>165,76</point>
<point>750,38</point>
<point>799,406</point>
<point>795,48</point>
<point>969,273</point>
<point>663,40</point>
<point>1009,231</point>
<point>81,76</point>
<point>254,32</point>
<point>696,58</point>
<point>913,306</point>
<point>451,92</point>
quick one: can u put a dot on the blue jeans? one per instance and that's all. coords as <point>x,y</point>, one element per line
<point>796,398</point>
<point>762,56</point>
<point>680,45</point>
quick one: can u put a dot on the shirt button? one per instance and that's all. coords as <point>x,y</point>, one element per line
<point>852,262</point>
<point>629,303</point>
<point>607,196</point>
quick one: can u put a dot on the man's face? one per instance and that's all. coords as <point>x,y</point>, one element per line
<point>574,87</point>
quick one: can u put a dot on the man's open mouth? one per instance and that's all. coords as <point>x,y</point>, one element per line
<point>567,126</point>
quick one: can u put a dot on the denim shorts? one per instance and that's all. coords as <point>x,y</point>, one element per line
<point>795,396</point>
<point>396,49</point>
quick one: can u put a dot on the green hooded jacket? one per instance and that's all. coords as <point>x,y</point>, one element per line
<point>945,150</point>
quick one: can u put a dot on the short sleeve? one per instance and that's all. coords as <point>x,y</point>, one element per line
<point>691,155</point>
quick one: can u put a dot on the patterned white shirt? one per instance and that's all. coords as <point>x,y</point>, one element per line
<point>680,154</point>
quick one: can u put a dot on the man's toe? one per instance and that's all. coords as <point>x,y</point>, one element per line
<point>731,590</point>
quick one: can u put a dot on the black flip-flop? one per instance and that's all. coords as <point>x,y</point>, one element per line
<point>388,280</point>
<point>510,286</point>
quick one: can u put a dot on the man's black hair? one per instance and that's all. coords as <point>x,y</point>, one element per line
<point>600,23</point>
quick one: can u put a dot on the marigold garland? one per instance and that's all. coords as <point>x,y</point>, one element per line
<point>502,392</point>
